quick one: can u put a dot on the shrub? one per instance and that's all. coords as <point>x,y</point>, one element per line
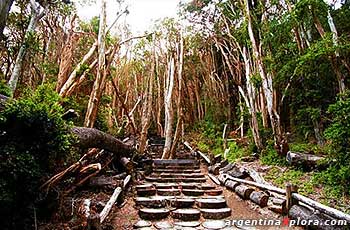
<point>34,139</point>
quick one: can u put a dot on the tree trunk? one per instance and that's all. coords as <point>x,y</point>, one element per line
<point>35,17</point>
<point>169,114</point>
<point>5,6</point>
<point>96,92</point>
<point>93,138</point>
<point>180,99</point>
<point>266,80</point>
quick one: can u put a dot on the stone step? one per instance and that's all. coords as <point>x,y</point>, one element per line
<point>216,214</point>
<point>186,214</point>
<point>206,203</point>
<point>176,170</point>
<point>154,213</point>
<point>169,179</point>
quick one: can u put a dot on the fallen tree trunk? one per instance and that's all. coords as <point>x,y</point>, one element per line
<point>214,169</point>
<point>93,138</point>
<point>230,184</point>
<point>110,204</point>
<point>305,160</point>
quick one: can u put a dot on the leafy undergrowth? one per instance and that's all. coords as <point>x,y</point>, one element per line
<point>322,186</point>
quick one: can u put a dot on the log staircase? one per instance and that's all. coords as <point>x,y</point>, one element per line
<point>178,194</point>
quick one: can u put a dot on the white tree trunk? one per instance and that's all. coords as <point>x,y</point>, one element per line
<point>35,17</point>
<point>91,112</point>
<point>180,115</point>
<point>266,80</point>
<point>169,113</point>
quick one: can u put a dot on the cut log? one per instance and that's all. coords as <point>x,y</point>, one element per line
<point>230,184</point>
<point>153,214</point>
<point>128,165</point>
<point>110,204</point>
<point>186,214</point>
<point>307,161</point>
<point>216,214</point>
<point>325,209</point>
<point>277,208</point>
<point>222,179</point>
<point>214,169</point>
<point>238,172</point>
<point>302,214</point>
<point>243,191</point>
<point>259,198</point>
<point>227,168</point>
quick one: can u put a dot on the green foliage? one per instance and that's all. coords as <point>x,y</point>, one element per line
<point>337,176</point>
<point>236,152</point>
<point>281,179</point>
<point>269,156</point>
<point>4,89</point>
<point>34,140</point>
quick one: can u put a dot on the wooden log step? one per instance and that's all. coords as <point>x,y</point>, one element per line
<point>211,203</point>
<point>167,179</point>
<point>187,224</point>
<point>214,197</point>
<point>182,202</point>
<point>207,186</point>
<point>193,192</point>
<point>260,198</point>
<point>146,192</point>
<point>150,202</point>
<point>231,185</point>
<point>181,175</point>
<point>216,214</point>
<point>243,191</point>
<point>165,185</point>
<point>144,186</point>
<point>169,192</point>
<point>177,167</point>
<point>189,185</point>
<point>186,214</point>
<point>277,208</point>
<point>176,170</point>
<point>154,213</point>
<point>164,225</point>
<point>213,192</point>
<point>177,162</point>
<point>214,224</point>
<point>142,224</point>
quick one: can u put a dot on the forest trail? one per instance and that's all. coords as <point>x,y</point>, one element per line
<point>179,194</point>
